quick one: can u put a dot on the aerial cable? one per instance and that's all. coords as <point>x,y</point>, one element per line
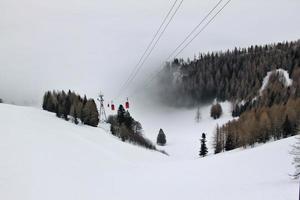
<point>203,28</point>
<point>143,58</point>
<point>156,42</point>
<point>149,45</point>
<point>190,41</point>
<point>195,29</point>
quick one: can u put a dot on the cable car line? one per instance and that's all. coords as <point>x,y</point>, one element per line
<point>140,65</point>
<point>149,45</point>
<point>203,28</point>
<point>190,41</point>
<point>193,31</point>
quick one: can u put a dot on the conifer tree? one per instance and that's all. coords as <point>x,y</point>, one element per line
<point>217,140</point>
<point>57,111</point>
<point>121,115</point>
<point>84,100</point>
<point>75,118</point>
<point>229,142</point>
<point>67,106</point>
<point>128,120</point>
<point>45,100</point>
<point>203,149</point>
<point>286,127</point>
<point>296,160</point>
<point>90,115</point>
<point>161,138</point>
<point>216,111</point>
<point>124,132</point>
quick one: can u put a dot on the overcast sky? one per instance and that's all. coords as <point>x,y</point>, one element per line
<point>91,45</point>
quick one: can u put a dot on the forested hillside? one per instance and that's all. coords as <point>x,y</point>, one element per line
<point>234,75</point>
<point>262,82</point>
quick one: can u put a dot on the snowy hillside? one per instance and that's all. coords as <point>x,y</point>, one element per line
<point>43,157</point>
<point>182,132</point>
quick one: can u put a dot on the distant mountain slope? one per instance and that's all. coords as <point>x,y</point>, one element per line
<point>232,75</point>
<point>43,157</point>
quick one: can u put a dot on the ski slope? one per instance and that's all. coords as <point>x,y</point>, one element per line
<point>43,157</point>
<point>182,131</point>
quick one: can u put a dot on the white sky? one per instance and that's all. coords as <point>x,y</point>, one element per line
<point>91,45</point>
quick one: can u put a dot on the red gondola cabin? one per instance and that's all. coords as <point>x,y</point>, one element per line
<point>127,104</point>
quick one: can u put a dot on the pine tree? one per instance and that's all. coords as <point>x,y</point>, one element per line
<point>217,140</point>
<point>216,111</point>
<point>203,149</point>
<point>75,118</point>
<point>67,106</point>
<point>286,127</point>
<point>121,115</point>
<point>128,120</point>
<point>57,111</point>
<point>45,100</point>
<point>296,160</point>
<point>90,115</point>
<point>229,142</point>
<point>161,138</point>
<point>84,100</point>
<point>124,132</point>
<point>48,102</point>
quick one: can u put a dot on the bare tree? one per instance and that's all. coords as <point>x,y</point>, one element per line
<point>198,115</point>
<point>296,160</point>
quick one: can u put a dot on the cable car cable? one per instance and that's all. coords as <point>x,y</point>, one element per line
<point>149,45</point>
<point>201,30</point>
<point>136,71</point>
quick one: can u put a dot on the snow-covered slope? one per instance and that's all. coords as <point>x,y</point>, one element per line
<point>43,157</point>
<point>182,131</point>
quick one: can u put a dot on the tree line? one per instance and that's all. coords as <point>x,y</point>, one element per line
<point>259,126</point>
<point>233,75</point>
<point>71,106</point>
<point>237,76</point>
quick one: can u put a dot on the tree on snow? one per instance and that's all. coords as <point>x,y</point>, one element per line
<point>121,115</point>
<point>229,144</point>
<point>287,127</point>
<point>203,149</point>
<point>198,115</point>
<point>216,111</point>
<point>90,115</point>
<point>218,140</point>
<point>161,138</point>
<point>296,160</point>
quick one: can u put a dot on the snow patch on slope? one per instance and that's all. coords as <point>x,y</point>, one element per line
<point>286,79</point>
